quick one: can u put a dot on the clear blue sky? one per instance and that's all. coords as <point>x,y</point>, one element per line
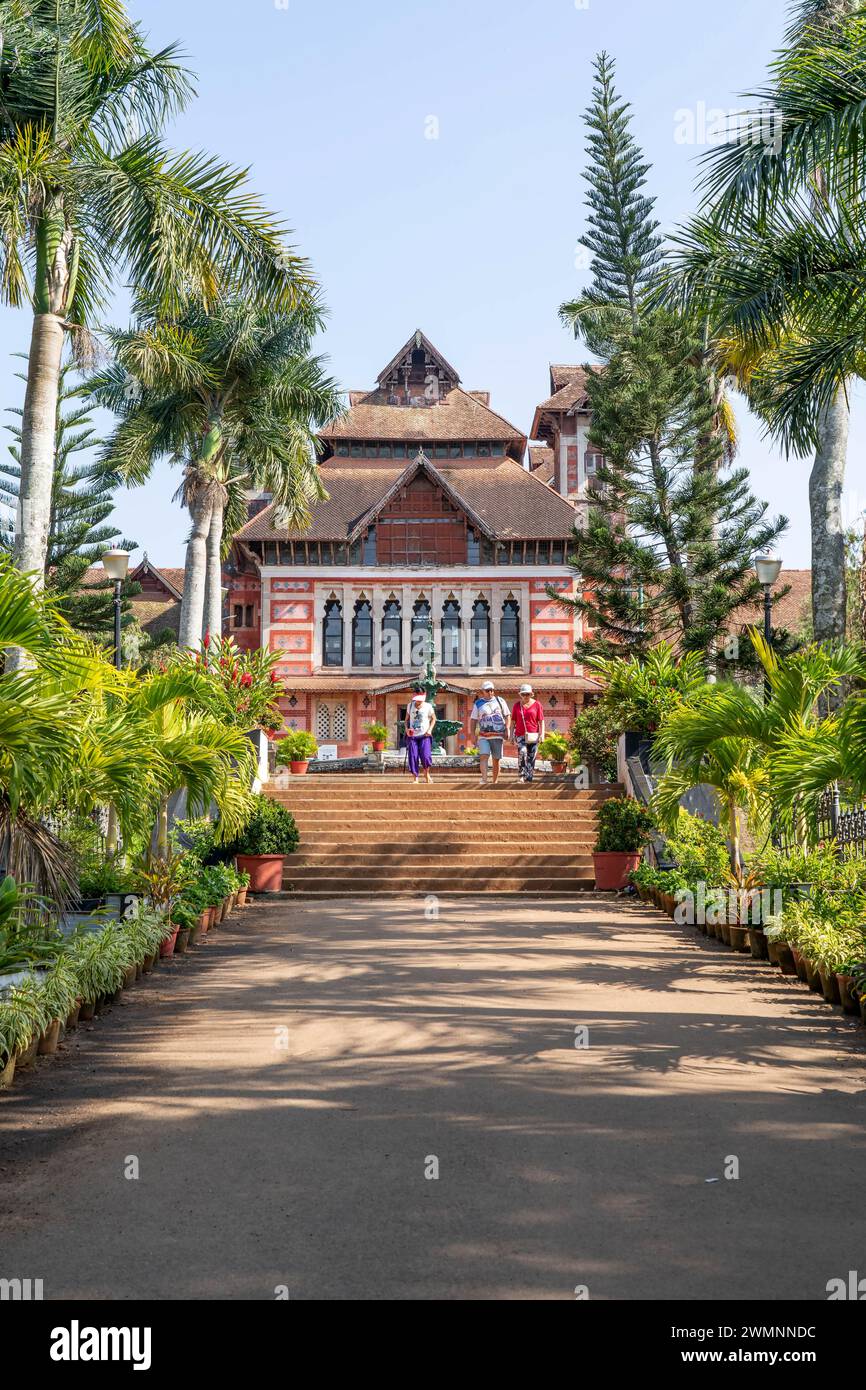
<point>470,236</point>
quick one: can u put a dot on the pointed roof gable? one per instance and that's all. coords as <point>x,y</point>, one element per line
<point>418,342</point>
<point>420,464</point>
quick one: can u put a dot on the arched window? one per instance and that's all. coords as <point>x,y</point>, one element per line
<point>332,634</point>
<point>362,634</point>
<point>392,634</point>
<point>420,632</point>
<point>479,654</point>
<point>509,633</point>
<point>323,724</point>
<point>451,633</point>
<point>341,724</point>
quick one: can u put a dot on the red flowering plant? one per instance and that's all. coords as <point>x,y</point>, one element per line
<point>243,686</point>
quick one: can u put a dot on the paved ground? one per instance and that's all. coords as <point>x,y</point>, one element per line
<point>297,1157</point>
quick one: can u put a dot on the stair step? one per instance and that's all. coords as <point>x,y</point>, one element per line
<point>321,859</point>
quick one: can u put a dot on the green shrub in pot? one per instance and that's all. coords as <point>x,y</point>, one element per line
<point>299,746</point>
<point>271,829</point>
<point>624,826</point>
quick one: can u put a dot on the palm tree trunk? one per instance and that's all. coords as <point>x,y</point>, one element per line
<point>829,596</point>
<point>213,609</point>
<point>195,571</point>
<point>37,454</point>
<point>162,829</point>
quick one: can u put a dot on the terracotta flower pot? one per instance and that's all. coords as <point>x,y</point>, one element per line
<point>130,977</point>
<point>166,947</point>
<point>27,1057</point>
<point>739,936</point>
<point>378,746</point>
<point>846,996</point>
<point>758,944</point>
<point>223,909</point>
<point>813,978</point>
<point>300,767</point>
<point>211,917</point>
<point>233,902</point>
<point>800,963</point>
<point>72,1017</point>
<point>204,922</point>
<point>49,1040</point>
<point>242,897</point>
<point>7,1072</point>
<point>612,868</point>
<point>87,1010</point>
<point>829,987</point>
<point>785,958</point>
<point>181,940</point>
<point>266,871</point>
<point>559,768</point>
<point>193,934</point>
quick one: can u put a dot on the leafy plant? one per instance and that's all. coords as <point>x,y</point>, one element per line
<point>377,733</point>
<point>21,1016</point>
<point>554,747</point>
<point>700,851</point>
<point>270,830</point>
<point>297,747</point>
<point>624,826</point>
<point>641,692</point>
<point>592,738</point>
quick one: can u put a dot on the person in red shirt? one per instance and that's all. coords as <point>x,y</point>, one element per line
<point>527,721</point>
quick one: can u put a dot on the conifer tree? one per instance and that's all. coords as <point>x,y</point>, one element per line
<point>670,536</point>
<point>621,232</point>
<point>81,506</point>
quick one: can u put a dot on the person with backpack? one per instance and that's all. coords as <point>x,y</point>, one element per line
<point>491,719</point>
<point>527,721</point>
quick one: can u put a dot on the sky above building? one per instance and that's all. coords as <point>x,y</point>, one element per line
<point>428,158</point>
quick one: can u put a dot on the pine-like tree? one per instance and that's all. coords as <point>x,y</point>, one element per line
<point>670,539</point>
<point>622,233</point>
<point>81,506</point>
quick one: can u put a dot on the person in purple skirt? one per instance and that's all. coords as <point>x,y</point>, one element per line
<point>420,723</point>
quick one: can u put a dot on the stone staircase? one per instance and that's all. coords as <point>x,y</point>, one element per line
<point>379,835</point>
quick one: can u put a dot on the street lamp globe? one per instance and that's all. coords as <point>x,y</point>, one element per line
<point>116,563</point>
<point>767,568</point>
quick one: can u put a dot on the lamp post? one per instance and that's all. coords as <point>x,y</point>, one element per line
<point>116,564</point>
<point>767,568</point>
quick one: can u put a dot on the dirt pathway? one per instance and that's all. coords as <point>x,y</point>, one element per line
<point>285,1092</point>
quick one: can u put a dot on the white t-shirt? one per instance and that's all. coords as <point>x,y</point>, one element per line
<point>420,716</point>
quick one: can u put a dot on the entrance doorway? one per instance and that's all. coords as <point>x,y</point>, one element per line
<point>401,722</point>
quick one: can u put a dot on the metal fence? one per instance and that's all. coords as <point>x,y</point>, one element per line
<point>834,820</point>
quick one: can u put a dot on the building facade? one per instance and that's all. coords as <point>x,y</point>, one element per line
<point>432,526</point>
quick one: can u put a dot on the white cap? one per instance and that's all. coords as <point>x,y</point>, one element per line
<point>488,685</point>
<point>526,690</point>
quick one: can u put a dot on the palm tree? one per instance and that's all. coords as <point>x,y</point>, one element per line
<point>733,741</point>
<point>775,260</point>
<point>236,395</point>
<point>88,191</point>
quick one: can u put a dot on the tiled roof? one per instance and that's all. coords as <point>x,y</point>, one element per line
<point>541,462</point>
<point>509,502</point>
<point>789,612</point>
<point>461,415</point>
<point>570,394</point>
<point>327,683</point>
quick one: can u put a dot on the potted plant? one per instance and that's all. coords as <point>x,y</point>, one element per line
<point>624,827</point>
<point>555,749</point>
<point>296,750</point>
<point>262,846</point>
<point>243,888</point>
<point>378,736</point>
<point>18,1025</point>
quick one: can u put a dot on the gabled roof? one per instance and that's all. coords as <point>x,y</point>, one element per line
<point>420,464</point>
<point>502,498</point>
<point>418,340</point>
<point>459,416</point>
<point>542,462</point>
<point>173,579</point>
